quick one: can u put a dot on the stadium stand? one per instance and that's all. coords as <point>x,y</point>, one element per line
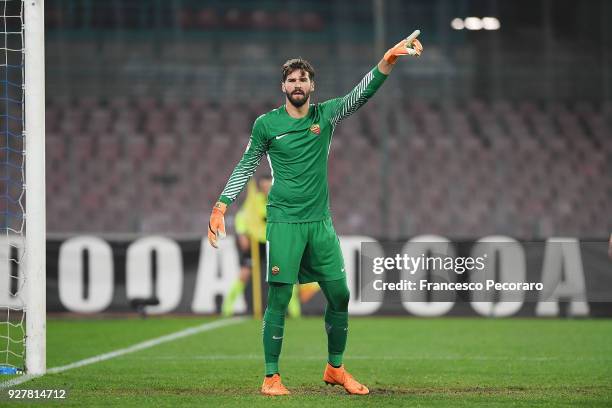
<point>155,165</point>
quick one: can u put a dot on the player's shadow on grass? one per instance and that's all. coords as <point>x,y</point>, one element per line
<point>420,391</point>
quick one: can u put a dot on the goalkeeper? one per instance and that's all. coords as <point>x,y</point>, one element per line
<point>301,243</point>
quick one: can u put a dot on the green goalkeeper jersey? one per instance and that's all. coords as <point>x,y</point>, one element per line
<point>297,150</point>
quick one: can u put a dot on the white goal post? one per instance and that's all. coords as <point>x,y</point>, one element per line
<point>34,131</point>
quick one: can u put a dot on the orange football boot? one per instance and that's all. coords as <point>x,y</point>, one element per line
<point>339,376</point>
<point>274,386</point>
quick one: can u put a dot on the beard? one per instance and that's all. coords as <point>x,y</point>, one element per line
<point>297,100</point>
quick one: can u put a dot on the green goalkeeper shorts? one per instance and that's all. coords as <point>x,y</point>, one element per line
<point>303,252</point>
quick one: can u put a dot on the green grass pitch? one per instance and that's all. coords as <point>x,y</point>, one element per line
<point>404,361</point>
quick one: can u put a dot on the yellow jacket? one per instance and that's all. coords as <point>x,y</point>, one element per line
<point>251,218</point>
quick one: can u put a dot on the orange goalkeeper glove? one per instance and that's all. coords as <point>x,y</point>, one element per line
<point>408,46</point>
<point>216,225</point>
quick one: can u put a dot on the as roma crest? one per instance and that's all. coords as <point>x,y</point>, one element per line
<point>316,129</point>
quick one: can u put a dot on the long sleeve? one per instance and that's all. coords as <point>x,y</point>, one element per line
<point>245,168</point>
<point>347,105</point>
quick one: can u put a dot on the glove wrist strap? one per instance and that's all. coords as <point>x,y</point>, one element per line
<point>221,207</point>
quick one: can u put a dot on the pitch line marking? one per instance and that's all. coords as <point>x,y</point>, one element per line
<point>127,350</point>
<point>410,358</point>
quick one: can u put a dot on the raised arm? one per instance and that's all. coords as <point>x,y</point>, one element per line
<point>347,105</point>
<point>243,171</point>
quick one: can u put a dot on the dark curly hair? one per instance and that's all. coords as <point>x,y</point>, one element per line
<point>297,63</point>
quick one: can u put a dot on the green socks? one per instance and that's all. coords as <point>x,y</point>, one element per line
<point>336,321</point>
<point>279,295</point>
<point>336,326</point>
<point>336,318</point>
<point>273,328</point>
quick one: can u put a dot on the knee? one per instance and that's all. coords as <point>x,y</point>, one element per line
<point>285,298</point>
<point>344,299</point>
<point>279,297</point>
<point>341,301</point>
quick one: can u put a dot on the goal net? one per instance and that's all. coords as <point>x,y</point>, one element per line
<point>22,198</point>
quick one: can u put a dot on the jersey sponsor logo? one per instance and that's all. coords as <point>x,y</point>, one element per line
<point>316,129</point>
<point>275,270</point>
<point>281,136</point>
